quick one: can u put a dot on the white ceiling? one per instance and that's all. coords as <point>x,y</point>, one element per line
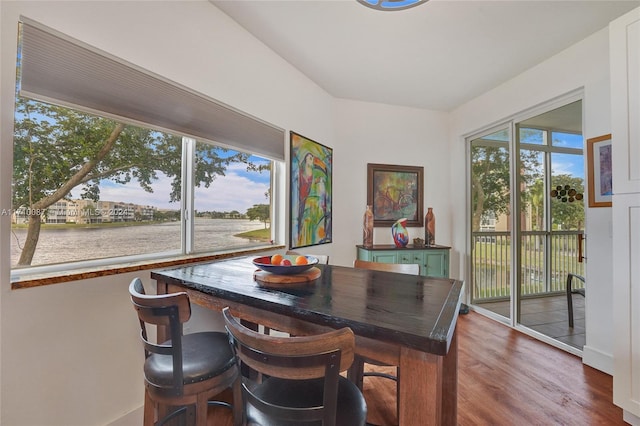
<point>437,55</point>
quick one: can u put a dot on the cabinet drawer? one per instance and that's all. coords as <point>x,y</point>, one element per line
<point>433,261</point>
<point>385,257</point>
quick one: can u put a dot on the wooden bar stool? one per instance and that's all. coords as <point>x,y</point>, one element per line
<point>357,373</point>
<point>187,370</point>
<point>303,381</point>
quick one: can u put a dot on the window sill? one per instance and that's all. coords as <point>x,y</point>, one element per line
<point>57,278</point>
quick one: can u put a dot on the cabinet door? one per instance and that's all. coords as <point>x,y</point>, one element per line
<point>437,264</point>
<point>626,299</point>
<point>416,256</point>
<point>624,51</point>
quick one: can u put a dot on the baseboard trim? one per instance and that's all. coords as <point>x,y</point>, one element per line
<point>597,359</point>
<point>132,418</point>
<point>630,418</point>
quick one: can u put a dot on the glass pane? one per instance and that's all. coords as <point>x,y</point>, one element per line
<point>233,209</point>
<point>567,217</point>
<point>87,187</point>
<point>532,136</point>
<point>533,240</point>
<point>567,140</point>
<point>491,222</point>
<point>567,184</point>
<point>533,190</point>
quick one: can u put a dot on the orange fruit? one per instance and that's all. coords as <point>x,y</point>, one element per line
<point>276,259</point>
<point>301,260</point>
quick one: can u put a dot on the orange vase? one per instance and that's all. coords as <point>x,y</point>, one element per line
<point>430,228</point>
<point>367,228</point>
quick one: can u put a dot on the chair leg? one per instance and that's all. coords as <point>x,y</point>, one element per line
<point>570,299</point>
<point>238,403</point>
<point>149,410</point>
<point>398,393</point>
<point>202,406</point>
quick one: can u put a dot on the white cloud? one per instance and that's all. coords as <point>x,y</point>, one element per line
<point>226,193</point>
<point>230,192</point>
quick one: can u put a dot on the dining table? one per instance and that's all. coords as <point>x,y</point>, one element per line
<point>398,319</point>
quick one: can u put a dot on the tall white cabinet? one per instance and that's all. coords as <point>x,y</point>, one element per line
<point>624,37</point>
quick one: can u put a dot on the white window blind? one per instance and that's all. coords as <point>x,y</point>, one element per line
<point>56,68</point>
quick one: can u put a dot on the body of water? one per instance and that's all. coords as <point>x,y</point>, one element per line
<point>75,244</point>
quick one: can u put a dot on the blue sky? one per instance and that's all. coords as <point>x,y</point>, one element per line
<point>237,190</point>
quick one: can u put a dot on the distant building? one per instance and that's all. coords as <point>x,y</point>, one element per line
<point>87,211</point>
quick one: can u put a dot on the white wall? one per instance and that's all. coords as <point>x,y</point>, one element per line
<point>374,133</point>
<point>70,352</point>
<point>72,348</point>
<point>584,65</point>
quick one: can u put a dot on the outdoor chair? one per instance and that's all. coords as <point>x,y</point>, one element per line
<point>571,291</point>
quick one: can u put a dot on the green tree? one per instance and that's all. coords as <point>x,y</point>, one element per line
<point>58,150</point>
<point>490,178</point>
<point>259,212</point>
<point>536,200</point>
<point>490,182</point>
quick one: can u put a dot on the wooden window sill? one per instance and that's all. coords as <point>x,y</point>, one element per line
<point>57,277</point>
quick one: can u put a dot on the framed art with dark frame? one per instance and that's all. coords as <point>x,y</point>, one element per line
<point>310,192</point>
<point>395,192</point>
<point>599,175</point>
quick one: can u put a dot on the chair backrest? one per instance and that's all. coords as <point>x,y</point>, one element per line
<point>403,268</point>
<point>322,258</point>
<point>170,310</point>
<point>297,358</point>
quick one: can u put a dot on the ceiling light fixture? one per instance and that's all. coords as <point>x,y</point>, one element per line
<point>391,4</point>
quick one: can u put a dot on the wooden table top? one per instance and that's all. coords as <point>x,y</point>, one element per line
<point>413,311</point>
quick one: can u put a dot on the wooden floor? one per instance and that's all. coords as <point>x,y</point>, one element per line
<point>549,316</point>
<point>508,378</point>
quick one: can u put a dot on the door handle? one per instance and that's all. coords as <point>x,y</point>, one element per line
<point>581,238</point>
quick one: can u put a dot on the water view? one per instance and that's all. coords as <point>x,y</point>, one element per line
<point>74,244</point>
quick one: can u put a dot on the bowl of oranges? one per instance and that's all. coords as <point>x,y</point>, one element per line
<point>284,264</point>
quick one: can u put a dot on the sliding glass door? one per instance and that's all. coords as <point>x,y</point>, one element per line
<point>527,219</point>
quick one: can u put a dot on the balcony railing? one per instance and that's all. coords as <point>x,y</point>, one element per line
<point>491,264</point>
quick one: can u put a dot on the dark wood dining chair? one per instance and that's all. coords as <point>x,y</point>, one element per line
<point>302,381</point>
<point>186,371</point>
<point>402,268</point>
<point>571,291</point>
<point>357,372</point>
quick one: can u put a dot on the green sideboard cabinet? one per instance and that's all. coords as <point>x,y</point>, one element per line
<point>433,260</point>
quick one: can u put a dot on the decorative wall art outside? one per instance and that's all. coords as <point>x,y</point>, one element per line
<point>599,171</point>
<point>310,192</point>
<point>395,192</point>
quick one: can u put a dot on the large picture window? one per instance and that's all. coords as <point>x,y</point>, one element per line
<point>87,187</point>
<point>108,168</point>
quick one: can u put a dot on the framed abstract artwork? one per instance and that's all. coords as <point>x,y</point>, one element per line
<point>599,172</point>
<point>395,192</point>
<point>310,192</point>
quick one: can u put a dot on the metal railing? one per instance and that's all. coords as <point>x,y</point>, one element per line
<point>491,264</point>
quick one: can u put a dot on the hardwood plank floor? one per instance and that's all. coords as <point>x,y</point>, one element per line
<point>508,378</point>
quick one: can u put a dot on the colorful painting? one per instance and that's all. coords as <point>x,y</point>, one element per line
<point>395,192</point>
<point>599,171</point>
<point>311,190</point>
